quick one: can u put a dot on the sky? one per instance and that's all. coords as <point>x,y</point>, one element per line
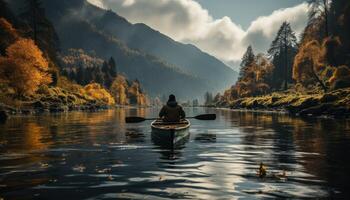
<point>222,28</point>
<point>247,10</point>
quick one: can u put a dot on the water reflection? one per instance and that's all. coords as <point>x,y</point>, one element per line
<point>303,147</point>
<point>98,155</point>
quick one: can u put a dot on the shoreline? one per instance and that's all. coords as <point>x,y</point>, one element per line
<point>333,104</point>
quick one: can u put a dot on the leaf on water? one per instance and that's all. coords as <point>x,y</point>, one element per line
<point>262,171</point>
<point>161,178</point>
<point>110,177</point>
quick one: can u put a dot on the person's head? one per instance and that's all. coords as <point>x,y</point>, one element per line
<point>172,98</point>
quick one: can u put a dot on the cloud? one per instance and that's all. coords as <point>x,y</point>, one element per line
<point>187,21</point>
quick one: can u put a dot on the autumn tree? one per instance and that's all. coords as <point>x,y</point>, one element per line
<point>308,64</point>
<point>96,91</point>
<point>24,68</point>
<point>282,51</point>
<point>119,89</point>
<point>257,78</point>
<point>136,95</point>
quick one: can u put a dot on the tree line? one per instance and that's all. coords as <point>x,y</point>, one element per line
<point>318,62</point>
<point>31,58</point>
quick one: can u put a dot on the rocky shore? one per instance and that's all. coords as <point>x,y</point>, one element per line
<point>335,103</point>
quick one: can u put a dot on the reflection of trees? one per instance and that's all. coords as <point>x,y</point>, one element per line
<point>267,133</point>
<point>74,127</point>
<point>321,146</point>
<point>329,139</point>
<point>35,137</point>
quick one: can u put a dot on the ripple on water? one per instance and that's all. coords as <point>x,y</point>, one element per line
<point>101,157</point>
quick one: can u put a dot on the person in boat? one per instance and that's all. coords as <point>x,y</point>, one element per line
<point>172,112</point>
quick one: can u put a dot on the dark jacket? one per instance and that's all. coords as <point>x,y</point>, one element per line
<point>172,112</point>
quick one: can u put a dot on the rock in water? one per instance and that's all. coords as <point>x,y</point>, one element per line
<point>3,116</point>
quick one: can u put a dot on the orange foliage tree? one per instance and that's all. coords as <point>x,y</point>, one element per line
<point>308,64</point>
<point>119,90</point>
<point>135,94</point>
<point>24,68</point>
<point>256,79</point>
<point>96,91</point>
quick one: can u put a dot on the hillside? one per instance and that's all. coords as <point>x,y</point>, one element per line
<point>186,56</point>
<point>158,62</point>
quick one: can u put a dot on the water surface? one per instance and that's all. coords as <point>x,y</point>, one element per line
<point>81,155</point>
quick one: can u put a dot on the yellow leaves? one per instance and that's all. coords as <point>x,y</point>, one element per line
<point>96,91</point>
<point>24,67</point>
<point>124,95</point>
<point>119,89</point>
<point>254,82</point>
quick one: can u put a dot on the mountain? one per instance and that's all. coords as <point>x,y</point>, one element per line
<point>161,64</point>
<point>185,56</point>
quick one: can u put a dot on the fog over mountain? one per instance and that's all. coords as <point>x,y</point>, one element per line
<point>190,22</point>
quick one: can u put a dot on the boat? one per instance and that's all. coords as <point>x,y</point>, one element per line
<point>170,134</point>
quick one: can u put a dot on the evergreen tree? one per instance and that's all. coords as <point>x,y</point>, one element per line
<point>89,75</point>
<point>109,72</point>
<point>247,60</point>
<point>282,51</point>
<point>72,75</point>
<point>112,67</point>
<point>208,98</point>
<point>80,76</point>
<point>98,75</point>
<point>105,67</point>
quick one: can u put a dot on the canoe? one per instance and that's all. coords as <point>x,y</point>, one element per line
<point>170,134</point>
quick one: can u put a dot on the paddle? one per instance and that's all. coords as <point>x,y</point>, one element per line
<point>141,119</point>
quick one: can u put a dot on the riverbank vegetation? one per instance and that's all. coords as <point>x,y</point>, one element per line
<point>306,76</point>
<point>36,76</point>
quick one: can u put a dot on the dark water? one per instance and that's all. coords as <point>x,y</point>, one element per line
<point>97,156</point>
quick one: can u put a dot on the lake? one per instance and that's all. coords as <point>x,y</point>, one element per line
<point>82,155</point>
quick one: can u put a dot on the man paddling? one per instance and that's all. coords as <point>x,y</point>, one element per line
<point>172,112</point>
